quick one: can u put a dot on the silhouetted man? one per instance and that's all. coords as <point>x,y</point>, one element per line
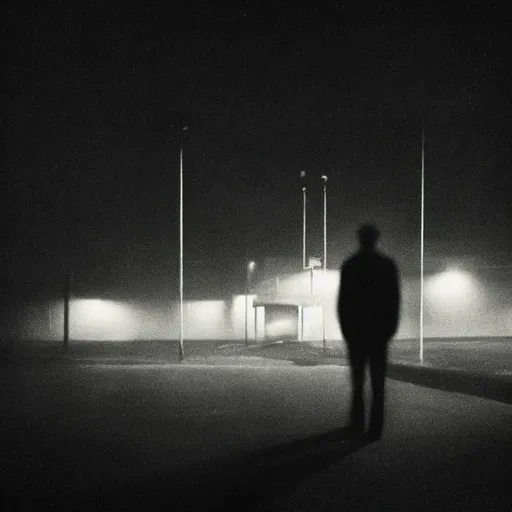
<point>368,309</point>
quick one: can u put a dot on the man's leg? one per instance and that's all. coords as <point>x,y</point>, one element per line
<point>357,360</point>
<point>378,365</point>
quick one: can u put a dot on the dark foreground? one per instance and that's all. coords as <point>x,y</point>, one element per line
<point>197,437</point>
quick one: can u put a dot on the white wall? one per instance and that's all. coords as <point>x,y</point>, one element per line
<point>456,305</point>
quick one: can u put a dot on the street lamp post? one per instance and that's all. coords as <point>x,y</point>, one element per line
<point>181,129</point>
<point>422,240</point>
<point>304,190</point>
<point>324,178</point>
<point>250,268</point>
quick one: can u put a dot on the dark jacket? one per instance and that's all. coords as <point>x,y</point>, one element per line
<point>369,298</point>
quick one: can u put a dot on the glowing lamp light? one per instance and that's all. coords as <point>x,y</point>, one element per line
<point>92,309</point>
<point>205,312</point>
<point>453,287</point>
<point>453,282</point>
<point>281,327</point>
<point>101,319</point>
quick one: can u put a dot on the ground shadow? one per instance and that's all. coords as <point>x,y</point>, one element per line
<point>281,468</point>
<point>247,483</point>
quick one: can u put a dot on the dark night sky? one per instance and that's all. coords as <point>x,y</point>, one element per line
<point>90,159</point>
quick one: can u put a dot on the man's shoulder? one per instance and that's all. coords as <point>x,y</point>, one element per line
<point>387,260</point>
<point>387,264</point>
<point>374,259</point>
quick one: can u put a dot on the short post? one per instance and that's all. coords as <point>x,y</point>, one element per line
<point>300,317</point>
<point>67,295</point>
<point>255,324</point>
<point>246,314</point>
<point>250,268</point>
<point>323,330</point>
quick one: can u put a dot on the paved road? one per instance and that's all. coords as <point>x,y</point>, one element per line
<point>489,356</point>
<point>152,437</point>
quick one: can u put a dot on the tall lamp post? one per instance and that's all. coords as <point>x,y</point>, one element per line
<point>422,240</point>
<point>324,179</point>
<point>250,269</point>
<point>181,128</point>
<point>304,190</point>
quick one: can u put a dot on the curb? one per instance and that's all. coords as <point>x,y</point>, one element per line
<point>458,381</point>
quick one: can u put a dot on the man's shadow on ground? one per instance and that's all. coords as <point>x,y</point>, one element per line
<point>265,474</point>
<point>246,483</point>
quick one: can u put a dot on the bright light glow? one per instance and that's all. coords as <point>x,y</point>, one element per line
<point>205,311</point>
<point>97,319</point>
<point>297,285</point>
<point>92,309</point>
<point>238,304</point>
<point>312,323</point>
<point>238,315</point>
<point>251,266</point>
<point>454,281</point>
<point>454,288</point>
<point>205,319</point>
<point>282,327</point>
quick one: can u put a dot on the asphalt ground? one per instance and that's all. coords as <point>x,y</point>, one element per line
<point>266,436</point>
<point>483,355</point>
<point>481,367</point>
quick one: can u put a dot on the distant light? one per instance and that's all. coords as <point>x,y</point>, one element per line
<point>92,309</point>
<point>281,327</point>
<point>454,288</point>
<point>238,304</point>
<point>454,282</point>
<point>239,313</point>
<point>251,266</point>
<point>324,177</point>
<point>205,311</point>
<point>101,319</point>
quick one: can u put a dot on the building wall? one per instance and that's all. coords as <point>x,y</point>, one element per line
<point>98,320</point>
<point>457,304</point>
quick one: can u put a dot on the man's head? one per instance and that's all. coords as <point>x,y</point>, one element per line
<point>368,235</point>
